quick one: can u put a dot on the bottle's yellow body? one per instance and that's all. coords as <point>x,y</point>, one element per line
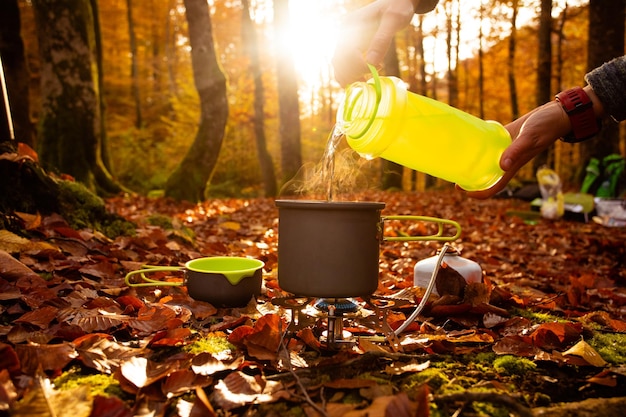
<point>422,134</point>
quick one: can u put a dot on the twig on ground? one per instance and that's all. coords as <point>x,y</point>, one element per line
<point>293,373</point>
<point>508,401</point>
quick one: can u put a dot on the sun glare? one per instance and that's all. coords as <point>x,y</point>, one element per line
<point>312,37</point>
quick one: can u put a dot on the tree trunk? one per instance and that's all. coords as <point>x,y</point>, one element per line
<point>288,104</point>
<point>391,171</point>
<point>511,61</point>
<point>481,64</point>
<point>190,178</point>
<point>452,57</point>
<point>69,124</point>
<point>544,69</point>
<point>423,84</point>
<point>15,75</point>
<point>134,73</point>
<point>104,148</point>
<point>605,41</point>
<point>250,44</point>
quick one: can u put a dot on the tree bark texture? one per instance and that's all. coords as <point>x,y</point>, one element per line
<point>69,134</point>
<point>391,176</point>
<point>544,69</point>
<point>134,73</point>
<point>511,61</point>
<point>288,102</point>
<point>190,178</point>
<point>606,41</point>
<point>265,160</point>
<point>16,76</point>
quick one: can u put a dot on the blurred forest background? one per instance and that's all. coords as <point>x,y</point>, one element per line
<point>159,107</point>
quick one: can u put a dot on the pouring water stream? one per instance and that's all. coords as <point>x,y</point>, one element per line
<point>328,171</point>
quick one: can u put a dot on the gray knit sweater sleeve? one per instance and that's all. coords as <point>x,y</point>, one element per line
<point>609,83</point>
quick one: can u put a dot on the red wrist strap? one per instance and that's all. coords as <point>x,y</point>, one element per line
<point>579,109</point>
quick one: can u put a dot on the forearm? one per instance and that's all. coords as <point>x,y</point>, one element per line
<point>607,89</point>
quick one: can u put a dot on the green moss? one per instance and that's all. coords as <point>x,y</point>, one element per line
<point>281,409</point>
<point>352,397</point>
<point>83,209</point>
<point>484,358</point>
<point>160,220</point>
<point>489,409</point>
<point>541,400</point>
<point>539,317</point>
<point>213,343</point>
<point>376,378</point>
<point>99,384</point>
<point>513,365</point>
<point>435,378</point>
<point>458,384</point>
<point>611,346</point>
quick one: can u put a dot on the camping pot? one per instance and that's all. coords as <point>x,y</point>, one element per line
<point>224,281</point>
<point>330,249</point>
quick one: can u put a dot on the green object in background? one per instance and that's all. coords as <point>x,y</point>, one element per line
<point>583,201</point>
<point>593,173</point>
<point>614,166</point>
<point>603,177</point>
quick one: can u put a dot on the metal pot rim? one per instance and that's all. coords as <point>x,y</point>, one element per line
<point>330,205</point>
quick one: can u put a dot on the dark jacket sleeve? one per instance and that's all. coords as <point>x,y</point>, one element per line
<point>425,6</point>
<point>609,83</point>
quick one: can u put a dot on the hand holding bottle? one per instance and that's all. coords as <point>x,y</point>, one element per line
<point>533,133</point>
<point>366,35</point>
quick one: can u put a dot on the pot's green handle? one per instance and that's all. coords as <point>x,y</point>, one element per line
<point>437,237</point>
<point>149,282</point>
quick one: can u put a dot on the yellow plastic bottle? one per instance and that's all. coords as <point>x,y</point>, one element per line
<point>380,118</point>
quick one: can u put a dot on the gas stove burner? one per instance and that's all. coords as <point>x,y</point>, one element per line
<point>293,302</point>
<point>340,305</point>
<point>297,306</point>
<point>329,315</point>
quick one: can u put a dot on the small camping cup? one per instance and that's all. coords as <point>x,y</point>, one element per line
<point>223,281</point>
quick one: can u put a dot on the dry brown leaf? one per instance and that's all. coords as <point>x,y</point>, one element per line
<point>402,368</point>
<point>8,393</point>
<point>30,221</point>
<point>12,269</point>
<point>351,383</point>
<point>583,350</point>
<point>42,317</point>
<point>239,389</point>
<point>183,381</point>
<point>207,364</point>
<point>12,243</point>
<point>142,372</point>
<point>99,352</point>
<point>43,401</point>
<point>34,356</point>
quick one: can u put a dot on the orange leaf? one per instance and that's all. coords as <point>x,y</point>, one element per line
<point>550,336</point>
<point>239,334</point>
<point>264,341</point>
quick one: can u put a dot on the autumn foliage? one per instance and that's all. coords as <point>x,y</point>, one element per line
<point>547,316</point>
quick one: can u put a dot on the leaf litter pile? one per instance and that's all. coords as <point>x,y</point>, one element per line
<point>544,333</point>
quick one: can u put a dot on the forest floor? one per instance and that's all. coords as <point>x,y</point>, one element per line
<point>543,335</point>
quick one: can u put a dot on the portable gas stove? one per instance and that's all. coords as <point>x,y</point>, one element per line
<point>331,317</point>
